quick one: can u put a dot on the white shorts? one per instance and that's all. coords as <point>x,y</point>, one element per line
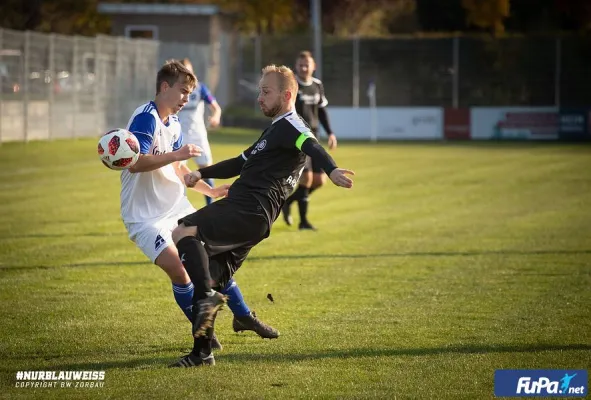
<point>153,237</point>
<point>200,139</point>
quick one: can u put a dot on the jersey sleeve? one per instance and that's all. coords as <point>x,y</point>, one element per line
<point>323,100</point>
<point>206,94</point>
<point>143,127</point>
<point>294,133</point>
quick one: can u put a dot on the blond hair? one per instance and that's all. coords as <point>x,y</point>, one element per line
<point>171,72</point>
<point>286,77</point>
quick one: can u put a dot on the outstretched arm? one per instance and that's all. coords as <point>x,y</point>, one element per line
<point>338,176</point>
<point>150,162</point>
<point>221,170</point>
<point>202,187</point>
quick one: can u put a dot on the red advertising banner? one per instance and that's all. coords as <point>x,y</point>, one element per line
<point>456,123</point>
<point>532,123</point>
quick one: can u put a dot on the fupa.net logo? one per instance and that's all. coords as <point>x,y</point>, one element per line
<point>541,383</point>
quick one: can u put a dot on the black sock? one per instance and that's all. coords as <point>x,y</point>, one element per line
<point>202,344</point>
<point>311,190</point>
<point>296,195</point>
<point>196,262</point>
<point>303,205</point>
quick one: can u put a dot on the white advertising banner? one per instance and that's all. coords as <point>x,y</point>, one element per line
<point>387,123</point>
<point>532,123</point>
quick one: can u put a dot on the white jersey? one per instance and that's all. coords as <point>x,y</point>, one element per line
<point>152,195</point>
<point>192,115</point>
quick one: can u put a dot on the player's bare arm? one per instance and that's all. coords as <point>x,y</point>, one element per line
<point>216,114</point>
<point>222,170</point>
<point>151,162</point>
<point>202,187</point>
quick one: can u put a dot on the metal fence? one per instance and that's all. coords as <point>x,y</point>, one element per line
<point>54,86</point>
<point>448,72</point>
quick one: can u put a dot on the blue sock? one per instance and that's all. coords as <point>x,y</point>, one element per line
<point>183,294</point>
<point>235,299</point>
<point>208,200</point>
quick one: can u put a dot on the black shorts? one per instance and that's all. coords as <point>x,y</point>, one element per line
<point>229,228</point>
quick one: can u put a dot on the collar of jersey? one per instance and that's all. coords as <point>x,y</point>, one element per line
<point>281,116</point>
<point>156,108</point>
<point>304,83</point>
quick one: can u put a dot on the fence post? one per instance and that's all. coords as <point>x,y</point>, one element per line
<point>75,89</point>
<point>51,86</point>
<point>1,85</point>
<point>118,78</point>
<point>315,13</point>
<point>97,85</point>
<point>258,56</point>
<point>26,85</point>
<point>238,68</point>
<point>136,71</point>
<point>356,71</point>
<point>456,72</point>
<point>558,71</point>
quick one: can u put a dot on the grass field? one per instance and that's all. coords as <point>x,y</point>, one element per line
<point>445,262</point>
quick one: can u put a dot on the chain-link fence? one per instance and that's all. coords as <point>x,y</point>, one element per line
<point>54,86</point>
<point>447,72</point>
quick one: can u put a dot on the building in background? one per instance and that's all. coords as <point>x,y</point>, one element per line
<point>200,32</point>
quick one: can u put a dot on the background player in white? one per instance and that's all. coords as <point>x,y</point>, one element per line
<point>192,118</point>
<point>153,195</point>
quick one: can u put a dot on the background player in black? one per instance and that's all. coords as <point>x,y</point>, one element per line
<point>311,105</point>
<point>214,241</point>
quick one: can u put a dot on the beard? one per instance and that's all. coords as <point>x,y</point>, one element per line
<point>272,111</point>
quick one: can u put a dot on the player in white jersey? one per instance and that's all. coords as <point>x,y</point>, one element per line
<point>153,194</point>
<point>192,118</point>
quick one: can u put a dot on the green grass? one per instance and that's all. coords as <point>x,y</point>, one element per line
<point>445,262</point>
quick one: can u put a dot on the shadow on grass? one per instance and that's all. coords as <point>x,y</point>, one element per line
<point>333,354</point>
<point>422,254</point>
<point>74,265</point>
<point>61,235</point>
<point>323,256</point>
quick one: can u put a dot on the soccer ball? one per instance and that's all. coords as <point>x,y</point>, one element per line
<point>118,149</point>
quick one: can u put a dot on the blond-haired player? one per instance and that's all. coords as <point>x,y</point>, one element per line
<point>215,241</point>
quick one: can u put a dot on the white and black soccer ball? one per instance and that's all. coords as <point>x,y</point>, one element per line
<point>118,149</point>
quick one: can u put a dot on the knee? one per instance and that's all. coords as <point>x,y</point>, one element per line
<point>318,180</point>
<point>182,231</point>
<point>306,178</point>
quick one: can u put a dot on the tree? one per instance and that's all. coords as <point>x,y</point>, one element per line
<point>442,16</point>
<point>262,16</point>
<point>20,15</point>
<point>65,16</point>
<point>576,14</point>
<point>487,14</point>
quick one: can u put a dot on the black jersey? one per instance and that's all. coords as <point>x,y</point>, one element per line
<point>273,164</point>
<point>310,98</point>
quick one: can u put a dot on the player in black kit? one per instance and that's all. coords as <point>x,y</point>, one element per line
<point>311,105</point>
<point>214,241</point>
